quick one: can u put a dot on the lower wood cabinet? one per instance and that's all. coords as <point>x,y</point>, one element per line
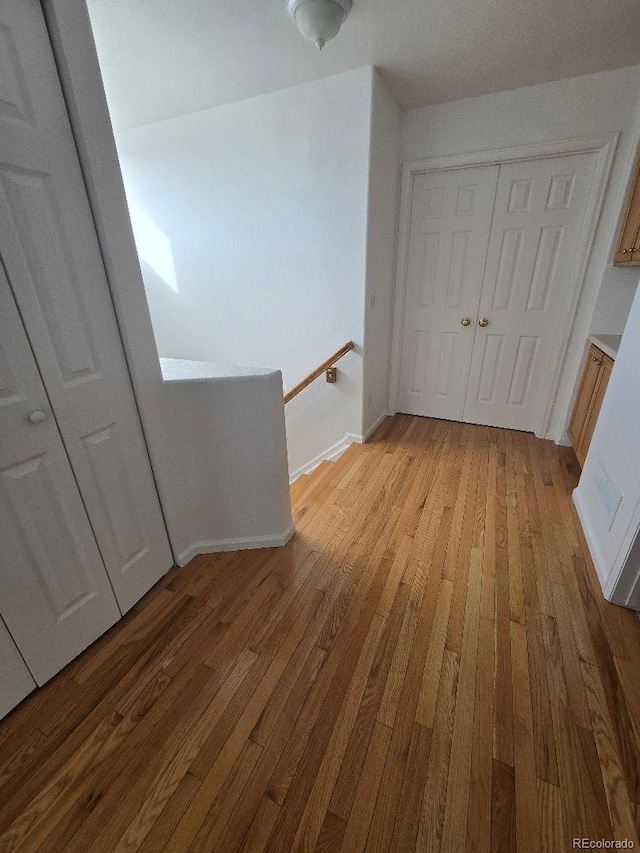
<point>593,386</point>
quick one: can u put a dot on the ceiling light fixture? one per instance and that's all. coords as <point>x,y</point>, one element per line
<point>319,20</point>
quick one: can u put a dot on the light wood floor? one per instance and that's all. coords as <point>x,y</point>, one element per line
<point>428,665</point>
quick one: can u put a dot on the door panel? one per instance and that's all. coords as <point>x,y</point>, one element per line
<point>53,261</point>
<point>449,228</point>
<point>54,596</point>
<point>16,681</point>
<point>538,215</point>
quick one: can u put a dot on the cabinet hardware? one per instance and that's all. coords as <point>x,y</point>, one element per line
<point>483,322</point>
<point>466,321</point>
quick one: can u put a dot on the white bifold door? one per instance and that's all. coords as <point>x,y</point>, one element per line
<point>490,254</point>
<point>55,596</point>
<point>81,519</point>
<point>15,678</point>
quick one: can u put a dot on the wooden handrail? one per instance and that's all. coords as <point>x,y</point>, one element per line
<point>318,371</point>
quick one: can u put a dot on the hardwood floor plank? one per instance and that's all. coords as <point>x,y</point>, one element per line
<point>457,801</point>
<point>574,815</point>
<point>503,706</point>
<point>408,814</point>
<point>543,730</point>
<point>527,828</point>
<point>351,768</point>
<point>426,711</point>
<point>261,827</point>
<point>364,800</point>
<point>432,808</point>
<point>320,795</point>
<point>479,815</point>
<point>503,808</point>
<point>613,775</point>
<point>165,824</point>
<point>166,783</point>
<point>550,813</point>
<point>245,814</point>
<point>331,834</point>
<point>429,664</point>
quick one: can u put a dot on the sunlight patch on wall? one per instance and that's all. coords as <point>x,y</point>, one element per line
<point>154,247</point>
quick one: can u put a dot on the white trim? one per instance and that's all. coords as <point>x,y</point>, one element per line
<point>214,546</point>
<point>604,147</point>
<point>596,556</point>
<point>367,435</point>
<point>623,583</point>
<point>329,454</point>
<point>336,449</point>
<point>618,587</point>
<point>562,440</point>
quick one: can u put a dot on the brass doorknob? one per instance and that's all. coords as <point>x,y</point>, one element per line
<point>466,321</point>
<point>483,322</point>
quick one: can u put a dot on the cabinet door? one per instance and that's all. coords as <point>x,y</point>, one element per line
<point>52,257</point>
<point>628,251</point>
<point>55,596</point>
<point>15,679</point>
<point>604,375</point>
<point>584,397</point>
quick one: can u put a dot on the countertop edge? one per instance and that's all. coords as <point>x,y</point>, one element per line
<point>609,344</point>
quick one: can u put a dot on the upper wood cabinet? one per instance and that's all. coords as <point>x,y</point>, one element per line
<point>628,251</point>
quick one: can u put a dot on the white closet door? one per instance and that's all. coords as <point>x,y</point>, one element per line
<point>52,258</point>
<point>55,596</point>
<point>449,230</point>
<point>16,681</point>
<point>539,211</point>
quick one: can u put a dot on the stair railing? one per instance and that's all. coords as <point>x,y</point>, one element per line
<point>325,367</point>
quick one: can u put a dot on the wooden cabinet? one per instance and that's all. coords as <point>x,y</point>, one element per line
<point>628,251</point>
<point>593,385</point>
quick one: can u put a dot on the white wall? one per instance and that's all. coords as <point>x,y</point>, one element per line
<point>254,216</point>
<point>611,476</point>
<point>592,105</point>
<point>217,446</point>
<point>223,437</point>
<point>384,167</point>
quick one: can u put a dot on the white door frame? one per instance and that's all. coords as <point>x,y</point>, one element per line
<point>604,147</point>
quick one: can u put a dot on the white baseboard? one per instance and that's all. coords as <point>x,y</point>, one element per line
<point>596,557</point>
<point>213,546</point>
<point>330,453</point>
<point>563,440</point>
<point>335,450</point>
<point>373,428</point>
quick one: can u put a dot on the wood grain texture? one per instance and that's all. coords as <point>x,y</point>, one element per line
<point>428,665</point>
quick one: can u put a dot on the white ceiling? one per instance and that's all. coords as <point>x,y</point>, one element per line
<point>162,58</point>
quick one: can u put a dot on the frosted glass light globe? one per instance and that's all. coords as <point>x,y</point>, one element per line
<point>319,20</point>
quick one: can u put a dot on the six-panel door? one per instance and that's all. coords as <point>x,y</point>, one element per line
<point>511,287</point>
<point>52,258</point>
<point>538,214</point>
<point>450,221</point>
<point>55,595</point>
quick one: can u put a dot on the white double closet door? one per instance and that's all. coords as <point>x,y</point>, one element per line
<point>81,526</point>
<point>490,256</point>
